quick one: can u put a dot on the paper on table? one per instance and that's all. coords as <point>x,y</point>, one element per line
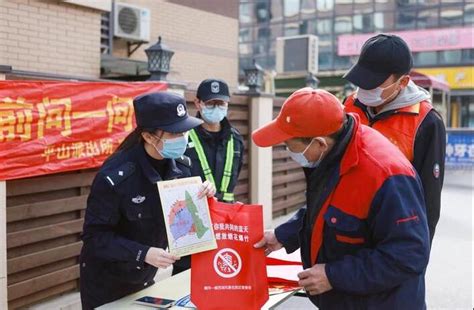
<point>280,257</point>
<point>284,273</point>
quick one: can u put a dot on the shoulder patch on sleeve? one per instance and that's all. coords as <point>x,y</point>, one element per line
<point>117,175</point>
<point>184,160</point>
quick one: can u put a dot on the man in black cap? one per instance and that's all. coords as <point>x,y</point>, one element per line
<point>124,231</point>
<point>388,101</point>
<point>215,148</point>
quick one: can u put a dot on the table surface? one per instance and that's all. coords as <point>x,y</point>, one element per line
<point>175,288</point>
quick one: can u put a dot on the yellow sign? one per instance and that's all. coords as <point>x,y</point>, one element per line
<point>456,77</point>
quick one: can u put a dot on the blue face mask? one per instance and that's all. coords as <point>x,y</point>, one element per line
<point>214,115</point>
<point>173,148</point>
<point>303,161</point>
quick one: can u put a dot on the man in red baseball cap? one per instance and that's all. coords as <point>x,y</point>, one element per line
<point>363,233</point>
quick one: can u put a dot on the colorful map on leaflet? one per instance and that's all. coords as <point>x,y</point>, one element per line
<point>184,219</point>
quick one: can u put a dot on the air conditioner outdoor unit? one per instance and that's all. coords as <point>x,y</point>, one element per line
<point>297,54</point>
<point>131,23</point>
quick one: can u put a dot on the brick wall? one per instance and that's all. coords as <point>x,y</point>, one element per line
<point>50,36</point>
<point>205,44</point>
<point>56,37</point>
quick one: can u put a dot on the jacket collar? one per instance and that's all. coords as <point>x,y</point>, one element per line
<point>351,156</point>
<point>173,172</point>
<point>226,129</point>
<point>336,154</point>
<point>413,109</point>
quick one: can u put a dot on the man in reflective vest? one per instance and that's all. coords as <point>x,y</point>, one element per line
<point>388,101</point>
<point>215,148</point>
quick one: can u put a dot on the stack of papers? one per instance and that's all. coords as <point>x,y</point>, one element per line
<point>283,269</point>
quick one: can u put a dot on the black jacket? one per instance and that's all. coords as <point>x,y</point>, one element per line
<point>215,150</point>
<point>123,220</point>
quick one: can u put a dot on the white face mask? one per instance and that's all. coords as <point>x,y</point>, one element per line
<point>373,97</point>
<point>302,160</point>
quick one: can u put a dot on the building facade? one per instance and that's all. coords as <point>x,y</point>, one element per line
<point>440,33</point>
<point>76,38</point>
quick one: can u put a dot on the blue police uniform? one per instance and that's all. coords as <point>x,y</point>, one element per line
<point>124,216</point>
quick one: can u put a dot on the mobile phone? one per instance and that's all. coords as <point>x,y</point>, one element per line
<point>156,302</point>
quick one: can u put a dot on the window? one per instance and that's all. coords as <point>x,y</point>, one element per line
<point>291,29</point>
<point>303,27</point>
<point>276,8</point>
<point>343,7</point>
<point>426,58</point>
<point>343,24</point>
<point>379,18</point>
<point>325,60</point>
<point>260,47</point>
<point>263,33</point>
<point>406,2</point>
<point>468,56</point>
<point>406,19</point>
<point>363,6</point>
<point>469,14</point>
<point>451,15</point>
<point>427,18</point>
<point>262,12</point>
<point>276,31</point>
<point>244,35</point>
<point>467,111</point>
<point>342,62</point>
<point>245,62</point>
<point>245,49</point>
<point>291,9</point>
<point>266,62</point>
<point>384,5</point>
<point>363,23</point>
<point>451,57</point>
<point>324,26</point>
<point>312,27</point>
<point>325,42</point>
<point>428,2</point>
<point>325,5</point>
<point>246,13</point>
<point>308,8</point>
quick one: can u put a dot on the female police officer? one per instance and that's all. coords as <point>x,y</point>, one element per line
<point>124,232</point>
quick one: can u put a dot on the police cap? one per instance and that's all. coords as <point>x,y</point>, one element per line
<point>165,111</point>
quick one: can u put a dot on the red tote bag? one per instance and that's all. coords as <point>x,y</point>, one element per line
<point>234,275</point>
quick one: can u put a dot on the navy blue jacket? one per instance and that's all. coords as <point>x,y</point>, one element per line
<point>123,220</point>
<point>365,219</point>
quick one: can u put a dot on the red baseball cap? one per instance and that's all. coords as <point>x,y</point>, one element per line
<point>308,113</point>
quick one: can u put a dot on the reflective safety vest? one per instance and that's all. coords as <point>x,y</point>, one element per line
<point>399,126</point>
<point>229,161</point>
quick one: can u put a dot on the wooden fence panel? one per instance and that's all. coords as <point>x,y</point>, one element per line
<point>44,222</point>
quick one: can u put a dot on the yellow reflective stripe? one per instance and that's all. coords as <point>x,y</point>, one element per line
<point>228,197</point>
<point>229,161</point>
<point>202,157</point>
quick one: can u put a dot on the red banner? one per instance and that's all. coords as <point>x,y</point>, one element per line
<point>49,127</point>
